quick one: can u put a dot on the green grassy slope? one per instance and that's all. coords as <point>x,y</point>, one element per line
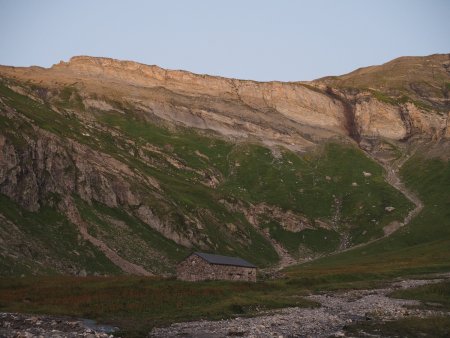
<point>422,246</point>
<point>251,173</point>
<point>319,185</point>
<point>326,186</point>
<point>45,236</point>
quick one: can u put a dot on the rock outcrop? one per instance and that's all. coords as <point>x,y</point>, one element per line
<point>71,140</point>
<point>296,115</point>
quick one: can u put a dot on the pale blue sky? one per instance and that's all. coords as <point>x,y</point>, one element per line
<point>260,40</point>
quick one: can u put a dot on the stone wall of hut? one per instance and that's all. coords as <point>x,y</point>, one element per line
<point>195,268</point>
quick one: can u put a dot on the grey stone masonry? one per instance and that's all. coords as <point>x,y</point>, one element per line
<point>197,268</point>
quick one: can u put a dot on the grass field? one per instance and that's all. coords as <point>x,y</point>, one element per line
<point>137,304</point>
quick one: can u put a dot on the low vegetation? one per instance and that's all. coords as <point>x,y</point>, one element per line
<point>421,247</point>
<point>137,304</point>
<point>434,295</point>
<point>406,327</point>
<point>45,235</point>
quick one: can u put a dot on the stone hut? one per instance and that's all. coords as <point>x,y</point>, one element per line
<point>202,266</point>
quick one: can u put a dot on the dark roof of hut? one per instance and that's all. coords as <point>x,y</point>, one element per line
<point>224,260</point>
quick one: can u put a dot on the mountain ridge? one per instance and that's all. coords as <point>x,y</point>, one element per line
<point>172,161</point>
<point>302,105</point>
<point>80,59</point>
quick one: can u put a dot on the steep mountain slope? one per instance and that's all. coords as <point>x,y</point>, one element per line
<point>109,166</point>
<point>410,93</point>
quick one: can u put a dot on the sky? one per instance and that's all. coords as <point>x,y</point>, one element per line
<point>259,40</point>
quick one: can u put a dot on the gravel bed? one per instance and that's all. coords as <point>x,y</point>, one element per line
<point>337,310</point>
<point>15,325</point>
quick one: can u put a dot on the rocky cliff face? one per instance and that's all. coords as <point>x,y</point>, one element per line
<point>273,112</point>
<point>292,114</point>
<point>146,164</point>
<point>423,80</point>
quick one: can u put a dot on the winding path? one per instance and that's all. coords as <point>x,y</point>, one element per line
<point>285,257</point>
<point>393,179</point>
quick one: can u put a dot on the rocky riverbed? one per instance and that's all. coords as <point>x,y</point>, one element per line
<point>15,325</point>
<point>337,311</point>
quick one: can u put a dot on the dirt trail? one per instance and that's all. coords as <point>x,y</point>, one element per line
<point>392,177</point>
<point>394,180</point>
<point>285,258</point>
<point>252,217</point>
<point>73,215</point>
<point>122,263</point>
